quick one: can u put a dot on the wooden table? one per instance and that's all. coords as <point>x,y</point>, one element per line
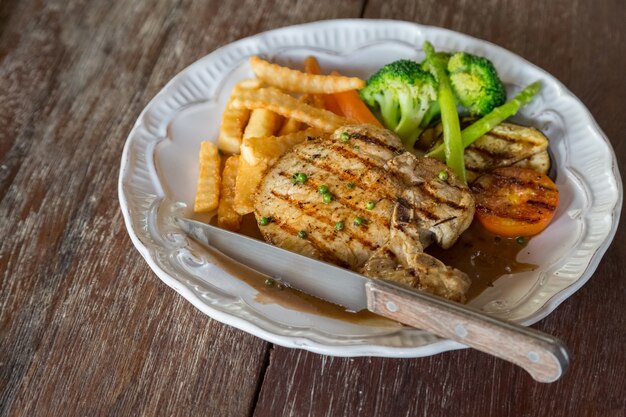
<point>87,329</point>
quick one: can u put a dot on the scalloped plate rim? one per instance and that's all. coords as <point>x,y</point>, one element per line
<point>359,349</point>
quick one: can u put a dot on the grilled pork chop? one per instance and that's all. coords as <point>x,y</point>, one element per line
<point>386,206</point>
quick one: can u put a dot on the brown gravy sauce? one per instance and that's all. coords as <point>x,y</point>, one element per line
<point>482,255</point>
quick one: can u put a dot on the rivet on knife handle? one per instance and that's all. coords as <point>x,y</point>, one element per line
<point>543,356</point>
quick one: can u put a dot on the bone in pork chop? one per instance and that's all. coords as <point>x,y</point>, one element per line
<point>387,206</point>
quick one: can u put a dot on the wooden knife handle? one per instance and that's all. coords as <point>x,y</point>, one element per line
<point>543,356</point>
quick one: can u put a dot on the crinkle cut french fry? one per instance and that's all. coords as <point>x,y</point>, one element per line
<point>248,179</point>
<point>265,151</point>
<point>292,125</point>
<point>287,106</point>
<point>300,82</point>
<point>208,188</point>
<point>249,84</point>
<point>231,129</point>
<point>234,120</point>
<point>227,217</point>
<point>262,122</point>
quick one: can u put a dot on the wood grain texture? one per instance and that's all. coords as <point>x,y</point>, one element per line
<point>86,328</point>
<point>541,355</point>
<point>578,42</point>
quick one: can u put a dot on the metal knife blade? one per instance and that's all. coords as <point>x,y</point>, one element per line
<point>325,281</point>
<point>543,356</point>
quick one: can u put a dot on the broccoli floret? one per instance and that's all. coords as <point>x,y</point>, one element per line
<point>405,98</point>
<point>475,83</point>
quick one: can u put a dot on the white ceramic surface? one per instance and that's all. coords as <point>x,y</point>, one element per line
<point>159,165</point>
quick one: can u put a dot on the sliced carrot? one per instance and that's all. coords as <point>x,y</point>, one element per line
<point>353,107</point>
<point>311,66</point>
<point>330,103</point>
<point>515,201</point>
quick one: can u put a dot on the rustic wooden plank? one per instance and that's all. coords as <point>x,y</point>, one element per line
<point>85,327</point>
<point>577,42</point>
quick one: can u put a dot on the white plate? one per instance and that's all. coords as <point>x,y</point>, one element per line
<point>159,166</point>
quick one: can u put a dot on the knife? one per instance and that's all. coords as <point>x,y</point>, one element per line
<point>543,356</point>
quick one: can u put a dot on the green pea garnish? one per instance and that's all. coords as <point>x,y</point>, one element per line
<point>264,221</point>
<point>299,178</point>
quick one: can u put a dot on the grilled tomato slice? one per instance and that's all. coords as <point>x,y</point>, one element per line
<point>512,202</point>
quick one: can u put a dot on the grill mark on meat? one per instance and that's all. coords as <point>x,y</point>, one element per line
<point>449,219</point>
<point>366,167</point>
<point>374,141</point>
<point>426,213</point>
<point>319,216</point>
<point>312,185</point>
<point>348,154</point>
<point>324,252</point>
<point>404,216</point>
<point>346,175</point>
<point>378,194</point>
<point>425,188</point>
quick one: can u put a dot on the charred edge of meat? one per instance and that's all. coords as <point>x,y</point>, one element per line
<point>404,212</point>
<point>403,202</point>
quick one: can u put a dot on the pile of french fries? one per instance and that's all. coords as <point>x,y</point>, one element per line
<point>265,117</point>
